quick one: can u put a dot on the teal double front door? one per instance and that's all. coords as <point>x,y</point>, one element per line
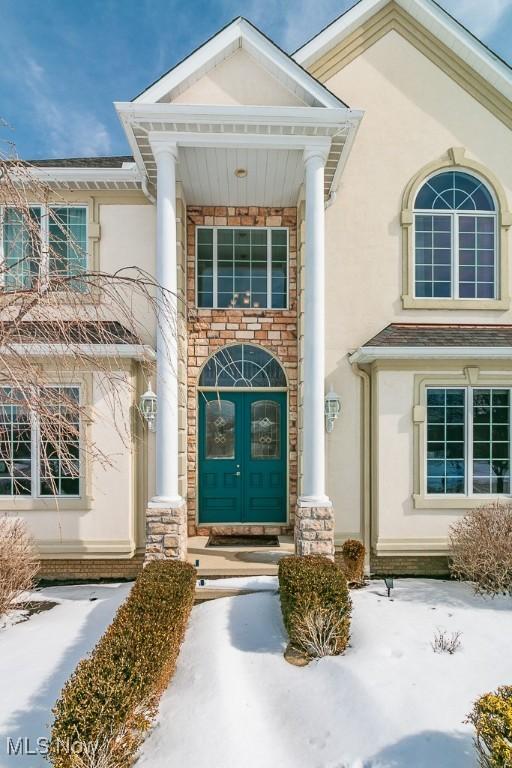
<point>242,457</point>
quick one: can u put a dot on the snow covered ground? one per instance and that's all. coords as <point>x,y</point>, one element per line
<point>37,656</point>
<point>389,702</point>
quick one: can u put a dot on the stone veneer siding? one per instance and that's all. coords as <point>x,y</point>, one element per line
<point>211,329</point>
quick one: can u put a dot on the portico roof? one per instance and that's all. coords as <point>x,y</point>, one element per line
<point>214,140</point>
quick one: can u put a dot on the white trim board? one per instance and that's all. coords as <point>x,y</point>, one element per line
<point>434,18</point>
<point>124,351</point>
<point>370,354</point>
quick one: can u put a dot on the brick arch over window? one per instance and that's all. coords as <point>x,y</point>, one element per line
<point>455,160</point>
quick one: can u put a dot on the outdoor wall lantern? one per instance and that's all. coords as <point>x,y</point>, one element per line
<point>148,408</point>
<point>332,408</point>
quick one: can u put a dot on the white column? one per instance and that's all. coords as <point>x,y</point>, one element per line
<point>313,490</point>
<point>167,493</point>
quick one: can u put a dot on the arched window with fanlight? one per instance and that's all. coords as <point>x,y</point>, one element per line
<point>455,238</point>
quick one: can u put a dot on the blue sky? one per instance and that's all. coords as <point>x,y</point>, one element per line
<point>65,61</point>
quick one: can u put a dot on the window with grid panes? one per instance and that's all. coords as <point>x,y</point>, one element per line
<point>468,440</point>
<point>42,242</point>
<point>455,238</point>
<point>34,461</point>
<point>242,267</point>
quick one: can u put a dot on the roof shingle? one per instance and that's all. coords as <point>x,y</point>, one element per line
<point>82,162</point>
<point>436,335</point>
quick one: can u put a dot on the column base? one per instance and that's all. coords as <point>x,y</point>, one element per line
<point>314,528</point>
<point>166,532</point>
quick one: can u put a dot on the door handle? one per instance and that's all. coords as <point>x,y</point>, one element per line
<point>237,474</point>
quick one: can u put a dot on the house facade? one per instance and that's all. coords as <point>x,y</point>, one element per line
<point>319,254</point>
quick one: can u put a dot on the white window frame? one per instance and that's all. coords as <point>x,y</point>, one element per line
<point>455,249</point>
<point>45,236</point>
<point>468,443</point>
<point>269,307</point>
<point>35,458</point>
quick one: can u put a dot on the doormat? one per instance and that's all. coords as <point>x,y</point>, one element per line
<point>216,540</point>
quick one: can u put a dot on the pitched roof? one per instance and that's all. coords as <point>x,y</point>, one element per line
<point>434,18</point>
<point>435,335</point>
<point>66,332</point>
<point>240,33</point>
<point>82,162</point>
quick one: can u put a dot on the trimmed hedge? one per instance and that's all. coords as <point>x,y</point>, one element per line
<point>313,582</point>
<point>492,718</point>
<point>111,698</point>
<point>352,554</point>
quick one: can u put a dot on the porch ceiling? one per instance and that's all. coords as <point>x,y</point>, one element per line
<point>208,176</point>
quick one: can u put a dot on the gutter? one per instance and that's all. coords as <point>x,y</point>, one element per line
<point>141,352</point>
<point>366,472</point>
<point>371,354</point>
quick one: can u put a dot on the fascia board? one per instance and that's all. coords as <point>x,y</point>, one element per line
<point>370,354</point>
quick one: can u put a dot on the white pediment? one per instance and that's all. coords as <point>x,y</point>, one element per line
<point>239,80</point>
<point>265,67</point>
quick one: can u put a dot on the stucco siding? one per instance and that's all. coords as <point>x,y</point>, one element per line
<point>413,114</point>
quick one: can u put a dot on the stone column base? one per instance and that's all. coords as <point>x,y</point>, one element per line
<point>314,529</point>
<point>166,532</point>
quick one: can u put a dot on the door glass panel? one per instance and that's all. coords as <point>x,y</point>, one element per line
<point>265,440</point>
<point>220,429</point>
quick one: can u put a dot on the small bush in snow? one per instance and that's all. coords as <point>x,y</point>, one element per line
<point>318,631</point>
<point>445,643</point>
<point>352,561</point>
<point>18,563</point>
<point>492,719</point>
<point>314,593</point>
<point>481,549</point>
<point>110,700</point>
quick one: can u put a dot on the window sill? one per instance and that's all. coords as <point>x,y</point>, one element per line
<point>410,302</point>
<point>50,504</point>
<point>454,502</point>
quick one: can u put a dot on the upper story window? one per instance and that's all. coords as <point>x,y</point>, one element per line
<point>242,267</point>
<point>455,238</point>
<point>42,243</point>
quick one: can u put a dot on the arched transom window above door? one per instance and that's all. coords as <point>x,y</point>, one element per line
<point>242,365</point>
<point>456,221</point>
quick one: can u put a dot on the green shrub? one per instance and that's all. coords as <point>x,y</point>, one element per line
<point>352,560</point>
<point>110,700</point>
<point>314,593</point>
<point>492,718</point>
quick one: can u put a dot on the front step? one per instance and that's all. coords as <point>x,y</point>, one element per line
<point>236,561</point>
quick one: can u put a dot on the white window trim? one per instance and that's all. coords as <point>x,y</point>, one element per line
<point>268,308</point>
<point>455,249</point>
<point>45,235</point>
<point>35,476</point>
<point>468,445</point>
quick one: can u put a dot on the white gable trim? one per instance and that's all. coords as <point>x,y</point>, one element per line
<point>433,18</point>
<point>241,34</point>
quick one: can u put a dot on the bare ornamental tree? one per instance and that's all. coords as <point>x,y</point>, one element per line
<point>58,319</point>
